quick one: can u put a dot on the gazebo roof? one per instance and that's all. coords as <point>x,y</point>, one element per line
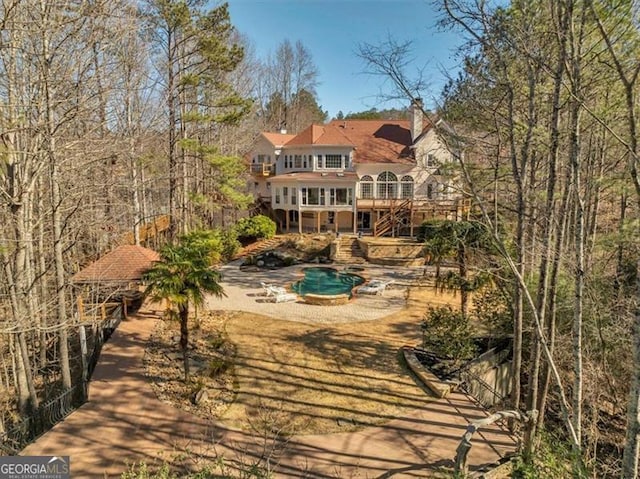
<point>125,263</point>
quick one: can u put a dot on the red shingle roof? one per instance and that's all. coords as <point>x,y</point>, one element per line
<point>278,139</point>
<point>320,135</point>
<point>378,141</point>
<point>375,141</point>
<point>125,263</point>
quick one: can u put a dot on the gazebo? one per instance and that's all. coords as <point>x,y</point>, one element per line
<point>116,275</point>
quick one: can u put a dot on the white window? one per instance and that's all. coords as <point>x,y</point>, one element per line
<point>432,161</point>
<point>285,194</point>
<point>277,196</point>
<point>387,185</point>
<point>366,187</point>
<point>342,196</point>
<point>320,162</point>
<point>313,196</point>
<point>333,161</point>
<point>294,196</point>
<point>298,161</point>
<point>406,186</point>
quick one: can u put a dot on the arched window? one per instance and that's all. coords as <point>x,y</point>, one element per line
<point>366,187</point>
<point>406,186</point>
<point>387,185</point>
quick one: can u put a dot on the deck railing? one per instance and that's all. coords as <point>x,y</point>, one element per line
<point>263,169</point>
<point>15,438</point>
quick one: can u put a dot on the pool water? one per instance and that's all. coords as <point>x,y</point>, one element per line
<point>326,281</point>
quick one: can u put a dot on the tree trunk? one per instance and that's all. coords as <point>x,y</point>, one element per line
<point>464,287</point>
<point>173,153</point>
<point>56,202</point>
<point>575,109</point>
<point>630,463</point>
<point>183,312</point>
<point>546,284</point>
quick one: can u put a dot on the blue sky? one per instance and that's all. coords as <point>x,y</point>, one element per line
<point>332,29</point>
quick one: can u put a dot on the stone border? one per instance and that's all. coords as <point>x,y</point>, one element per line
<point>326,299</point>
<point>436,385</point>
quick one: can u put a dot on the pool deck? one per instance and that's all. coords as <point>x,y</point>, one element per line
<point>244,292</point>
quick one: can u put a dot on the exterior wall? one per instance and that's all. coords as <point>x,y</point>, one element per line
<point>311,154</point>
<point>431,144</point>
<point>427,186</point>
<point>431,197</point>
<point>265,148</point>
<point>260,187</point>
<point>311,184</point>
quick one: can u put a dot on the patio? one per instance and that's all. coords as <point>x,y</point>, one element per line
<point>245,293</point>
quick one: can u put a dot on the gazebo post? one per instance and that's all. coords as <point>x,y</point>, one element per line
<point>80,305</point>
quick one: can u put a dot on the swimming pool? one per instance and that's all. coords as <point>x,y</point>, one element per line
<point>326,281</point>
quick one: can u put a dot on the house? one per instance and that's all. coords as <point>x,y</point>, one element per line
<point>383,177</point>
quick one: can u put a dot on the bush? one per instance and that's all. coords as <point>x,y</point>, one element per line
<point>143,471</point>
<point>218,366</point>
<point>256,227</point>
<point>217,244</point>
<point>428,230</point>
<point>447,334</point>
<point>492,308</point>
<point>289,261</point>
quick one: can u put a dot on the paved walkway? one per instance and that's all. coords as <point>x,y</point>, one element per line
<point>124,422</point>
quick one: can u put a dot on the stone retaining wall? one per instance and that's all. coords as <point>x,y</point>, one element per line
<point>326,300</point>
<point>392,251</point>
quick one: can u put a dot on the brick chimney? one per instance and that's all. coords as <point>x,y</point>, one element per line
<point>415,118</point>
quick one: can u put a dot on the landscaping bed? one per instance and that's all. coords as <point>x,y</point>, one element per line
<point>211,358</point>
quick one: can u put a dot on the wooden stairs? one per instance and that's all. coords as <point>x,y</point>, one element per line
<point>393,220</point>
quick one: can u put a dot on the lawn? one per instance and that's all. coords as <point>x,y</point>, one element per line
<point>303,378</point>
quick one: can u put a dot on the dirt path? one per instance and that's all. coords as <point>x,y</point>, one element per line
<point>124,422</point>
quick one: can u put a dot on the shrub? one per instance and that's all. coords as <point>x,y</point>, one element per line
<point>142,471</point>
<point>217,244</point>
<point>447,334</point>
<point>217,341</point>
<point>218,366</point>
<point>256,227</point>
<point>289,261</point>
<point>428,230</point>
<point>492,308</point>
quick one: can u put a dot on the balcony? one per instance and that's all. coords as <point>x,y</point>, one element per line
<point>263,169</point>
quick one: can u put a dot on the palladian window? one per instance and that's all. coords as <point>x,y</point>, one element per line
<point>406,186</point>
<point>387,185</point>
<point>366,187</point>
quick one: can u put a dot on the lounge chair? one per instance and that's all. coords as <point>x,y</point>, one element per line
<point>270,290</point>
<point>283,297</point>
<point>375,286</point>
